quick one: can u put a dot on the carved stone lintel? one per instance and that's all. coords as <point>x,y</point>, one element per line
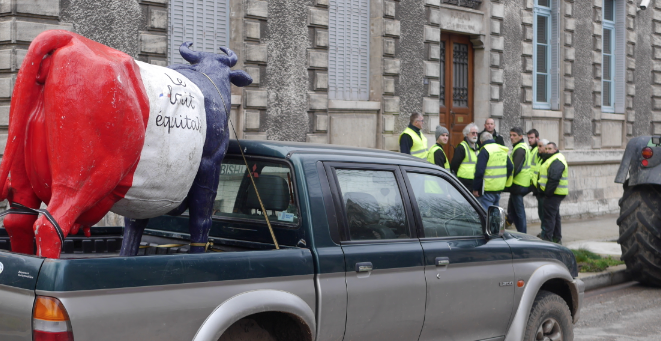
<point>474,4</point>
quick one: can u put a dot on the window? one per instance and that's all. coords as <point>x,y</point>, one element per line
<point>545,55</point>
<point>372,204</point>
<point>203,22</point>
<point>236,197</point>
<point>608,58</point>
<point>348,67</point>
<point>444,211</point>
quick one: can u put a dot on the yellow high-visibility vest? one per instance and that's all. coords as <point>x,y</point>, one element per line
<point>495,176</point>
<point>535,162</point>
<point>419,148</point>
<point>467,168</point>
<point>523,178</point>
<point>563,186</point>
<point>432,159</point>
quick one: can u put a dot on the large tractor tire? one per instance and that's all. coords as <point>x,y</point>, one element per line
<point>640,232</point>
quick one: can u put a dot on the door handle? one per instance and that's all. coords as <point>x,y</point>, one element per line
<point>364,267</point>
<point>442,261</point>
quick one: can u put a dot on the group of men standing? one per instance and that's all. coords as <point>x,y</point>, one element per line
<point>483,164</point>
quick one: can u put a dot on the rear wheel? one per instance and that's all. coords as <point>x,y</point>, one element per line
<point>640,232</point>
<point>550,319</point>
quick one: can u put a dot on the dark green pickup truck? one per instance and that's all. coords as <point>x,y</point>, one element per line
<point>374,246</point>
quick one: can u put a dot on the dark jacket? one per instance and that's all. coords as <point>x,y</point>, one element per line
<point>481,167</point>
<point>439,156</point>
<point>553,176</point>
<point>457,159</point>
<point>406,142</point>
<point>497,137</point>
<point>518,160</point>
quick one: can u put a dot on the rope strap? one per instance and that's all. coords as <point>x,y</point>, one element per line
<point>16,208</point>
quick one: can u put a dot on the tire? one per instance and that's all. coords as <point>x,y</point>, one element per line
<point>246,330</point>
<point>640,233</point>
<point>550,319</point>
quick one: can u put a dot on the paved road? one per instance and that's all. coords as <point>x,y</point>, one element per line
<point>627,312</point>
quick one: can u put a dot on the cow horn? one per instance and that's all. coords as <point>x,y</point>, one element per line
<point>191,56</point>
<point>230,54</point>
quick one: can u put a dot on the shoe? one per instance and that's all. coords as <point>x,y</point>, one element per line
<point>508,224</point>
<point>539,235</point>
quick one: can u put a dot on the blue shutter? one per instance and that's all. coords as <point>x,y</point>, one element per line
<point>555,56</point>
<point>348,67</point>
<point>620,54</point>
<point>204,22</point>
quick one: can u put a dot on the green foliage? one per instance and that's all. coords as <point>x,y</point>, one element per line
<point>592,262</point>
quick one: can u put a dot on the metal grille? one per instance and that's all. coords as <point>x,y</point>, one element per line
<point>541,58</point>
<point>606,94</point>
<point>607,67</point>
<point>541,88</point>
<point>442,80</point>
<point>542,34</point>
<point>608,42</point>
<point>460,76</point>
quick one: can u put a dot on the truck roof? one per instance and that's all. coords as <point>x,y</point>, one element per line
<point>280,149</point>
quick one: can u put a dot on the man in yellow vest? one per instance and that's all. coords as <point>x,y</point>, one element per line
<point>491,171</point>
<point>554,186</point>
<point>412,141</point>
<point>436,153</point>
<point>521,160</point>
<point>465,157</point>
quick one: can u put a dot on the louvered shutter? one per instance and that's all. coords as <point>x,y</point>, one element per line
<point>203,22</point>
<point>620,48</point>
<point>348,67</point>
<point>555,55</point>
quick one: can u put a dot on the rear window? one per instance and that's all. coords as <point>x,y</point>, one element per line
<point>236,197</point>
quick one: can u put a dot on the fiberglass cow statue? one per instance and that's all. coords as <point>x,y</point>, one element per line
<point>92,130</point>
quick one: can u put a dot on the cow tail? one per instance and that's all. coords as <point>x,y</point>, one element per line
<point>26,94</point>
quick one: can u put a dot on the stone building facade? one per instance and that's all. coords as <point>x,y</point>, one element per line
<point>586,74</point>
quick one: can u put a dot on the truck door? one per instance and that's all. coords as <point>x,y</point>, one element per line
<point>470,289</point>
<point>383,257</point>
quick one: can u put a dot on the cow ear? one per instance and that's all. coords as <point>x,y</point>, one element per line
<point>240,78</point>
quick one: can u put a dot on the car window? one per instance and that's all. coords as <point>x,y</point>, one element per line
<point>373,204</point>
<point>444,211</point>
<point>236,195</point>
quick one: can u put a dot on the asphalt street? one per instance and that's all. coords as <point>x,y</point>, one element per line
<point>626,312</point>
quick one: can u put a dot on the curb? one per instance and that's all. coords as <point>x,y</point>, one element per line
<point>606,279</point>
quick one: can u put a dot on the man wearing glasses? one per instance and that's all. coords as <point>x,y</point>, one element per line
<point>465,157</point>
<point>412,141</point>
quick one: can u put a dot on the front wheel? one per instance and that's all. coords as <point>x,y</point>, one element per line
<point>550,319</point>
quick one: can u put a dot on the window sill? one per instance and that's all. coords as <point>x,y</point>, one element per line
<point>335,104</point>
<point>546,113</point>
<point>612,117</point>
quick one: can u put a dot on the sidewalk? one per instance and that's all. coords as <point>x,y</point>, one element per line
<point>599,235</point>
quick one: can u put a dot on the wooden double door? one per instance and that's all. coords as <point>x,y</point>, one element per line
<point>456,95</point>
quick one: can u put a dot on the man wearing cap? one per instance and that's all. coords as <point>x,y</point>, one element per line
<point>436,153</point>
<point>554,186</point>
<point>520,186</point>
<point>491,172</point>
<point>412,141</point>
<point>465,157</point>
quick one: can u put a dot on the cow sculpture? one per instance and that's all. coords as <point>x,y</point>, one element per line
<point>92,130</point>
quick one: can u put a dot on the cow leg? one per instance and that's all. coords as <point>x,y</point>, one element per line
<point>133,230</point>
<point>19,226</point>
<point>201,204</point>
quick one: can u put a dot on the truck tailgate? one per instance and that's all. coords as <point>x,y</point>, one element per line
<point>18,278</point>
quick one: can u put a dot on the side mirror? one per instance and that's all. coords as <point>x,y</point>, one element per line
<point>495,222</point>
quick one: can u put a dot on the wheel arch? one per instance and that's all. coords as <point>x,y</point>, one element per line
<point>252,303</point>
<point>551,277</point>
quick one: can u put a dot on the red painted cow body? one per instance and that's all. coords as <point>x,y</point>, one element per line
<point>77,127</point>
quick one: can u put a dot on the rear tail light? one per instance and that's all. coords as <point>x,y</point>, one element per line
<point>50,321</point>
<point>647,152</point>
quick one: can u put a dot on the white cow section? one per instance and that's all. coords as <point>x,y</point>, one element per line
<point>173,146</point>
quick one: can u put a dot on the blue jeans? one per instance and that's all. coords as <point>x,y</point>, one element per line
<point>489,199</point>
<point>517,212</point>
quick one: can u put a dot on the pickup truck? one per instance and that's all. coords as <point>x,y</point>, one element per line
<point>374,245</point>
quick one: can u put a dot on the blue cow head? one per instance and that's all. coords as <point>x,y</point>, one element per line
<point>216,66</point>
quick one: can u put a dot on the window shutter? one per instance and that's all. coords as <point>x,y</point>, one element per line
<point>348,67</point>
<point>620,53</point>
<point>203,22</point>
<point>555,55</point>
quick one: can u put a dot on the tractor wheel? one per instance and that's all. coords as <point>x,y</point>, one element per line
<point>640,232</point>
